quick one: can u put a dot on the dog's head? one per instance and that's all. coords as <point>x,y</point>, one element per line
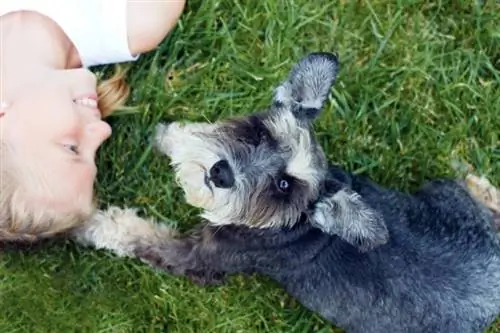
<point>262,170</point>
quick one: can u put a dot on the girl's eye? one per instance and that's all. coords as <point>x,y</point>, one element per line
<point>72,148</point>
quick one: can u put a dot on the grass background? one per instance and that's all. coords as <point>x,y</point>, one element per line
<point>418,89</point>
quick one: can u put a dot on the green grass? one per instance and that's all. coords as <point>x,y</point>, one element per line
<point>418,89</point>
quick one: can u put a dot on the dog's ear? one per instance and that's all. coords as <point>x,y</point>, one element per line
<point>308,85</point>
<point>346,215</point>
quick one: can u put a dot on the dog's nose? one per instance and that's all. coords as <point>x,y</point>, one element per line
<point>221,174</point>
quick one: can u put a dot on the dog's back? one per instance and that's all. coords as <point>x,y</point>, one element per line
<point>439,272</point>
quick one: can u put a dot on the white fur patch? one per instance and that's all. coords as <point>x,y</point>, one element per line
<point>192,157</point>
<point>296,139</point>
<point>120,231</point>
<point>283,94</point>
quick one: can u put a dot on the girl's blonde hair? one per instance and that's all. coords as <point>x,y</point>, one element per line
<point>113,92</point>
<point>20,219</point>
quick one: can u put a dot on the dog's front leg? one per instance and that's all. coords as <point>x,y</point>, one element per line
<point>195,256</point>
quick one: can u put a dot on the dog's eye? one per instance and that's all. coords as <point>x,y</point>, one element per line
<point>284,184</point>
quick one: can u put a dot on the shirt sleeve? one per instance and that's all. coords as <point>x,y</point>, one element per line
<point>101,37</point>
<point>97,28</point>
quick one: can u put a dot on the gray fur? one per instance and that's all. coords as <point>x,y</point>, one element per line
<point>308,85</point>
<point>366,258</point>
<point>347,215</point>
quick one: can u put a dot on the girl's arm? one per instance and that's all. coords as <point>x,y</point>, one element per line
<point>150,21</point>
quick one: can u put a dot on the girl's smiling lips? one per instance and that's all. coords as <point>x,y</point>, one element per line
<point>89,101</point>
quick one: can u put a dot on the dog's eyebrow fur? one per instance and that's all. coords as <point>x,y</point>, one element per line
<point>302,163</point>
<point>251,130</point>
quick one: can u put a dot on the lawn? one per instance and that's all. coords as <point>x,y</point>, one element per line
<point>417,92</point>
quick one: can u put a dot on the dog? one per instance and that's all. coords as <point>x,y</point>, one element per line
<point>364,257</point>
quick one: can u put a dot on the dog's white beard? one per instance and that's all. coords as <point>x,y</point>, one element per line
<point>225,212</point>
<point>192,157</point>
<point>191,177</point>
<point>216,203</point>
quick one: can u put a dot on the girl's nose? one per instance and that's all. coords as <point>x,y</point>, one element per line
<point>98,132</point>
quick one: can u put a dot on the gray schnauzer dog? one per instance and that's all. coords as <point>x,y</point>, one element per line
<point>364,257</point>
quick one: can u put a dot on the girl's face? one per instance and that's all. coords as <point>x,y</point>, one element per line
<point>54,128</point>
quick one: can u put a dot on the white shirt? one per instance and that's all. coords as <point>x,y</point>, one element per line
<point>97,28</point>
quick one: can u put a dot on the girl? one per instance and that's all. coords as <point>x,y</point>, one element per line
<point>51,106</point>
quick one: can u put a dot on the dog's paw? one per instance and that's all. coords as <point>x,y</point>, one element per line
<point>120,230</point>
<point>482,189</point>
<point>348,216</point>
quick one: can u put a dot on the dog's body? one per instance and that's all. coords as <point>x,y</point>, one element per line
<point>440,271</point>
<point>367,258</point>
